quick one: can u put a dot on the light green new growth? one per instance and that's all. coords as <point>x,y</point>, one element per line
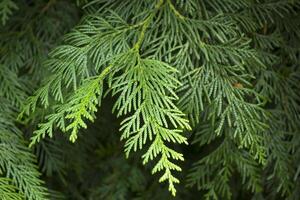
<point>145,86</point>
<point>8,191</point>
<point>143,91</point>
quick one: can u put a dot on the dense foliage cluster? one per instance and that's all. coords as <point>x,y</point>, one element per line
<point>203,96</point>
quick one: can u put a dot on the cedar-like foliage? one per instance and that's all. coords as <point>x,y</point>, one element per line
<point>201,95</point>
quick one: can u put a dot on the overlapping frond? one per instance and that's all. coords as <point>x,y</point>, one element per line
<point>146,87</point>
<point>87,48</point>
<point>231,67</point>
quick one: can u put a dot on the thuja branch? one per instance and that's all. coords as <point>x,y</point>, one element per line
<point>151,105</point>
<point>82,104</point>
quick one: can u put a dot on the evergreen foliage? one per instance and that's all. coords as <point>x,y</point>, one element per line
<point>204,94</point>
